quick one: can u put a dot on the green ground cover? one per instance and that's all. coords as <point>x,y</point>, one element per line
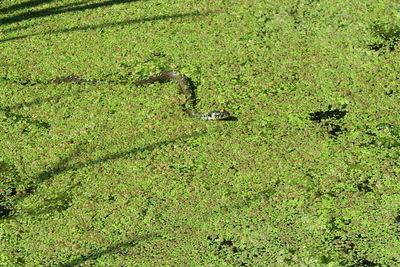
<point>117,175</point>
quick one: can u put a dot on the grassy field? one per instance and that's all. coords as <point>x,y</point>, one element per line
<point>117,175</point>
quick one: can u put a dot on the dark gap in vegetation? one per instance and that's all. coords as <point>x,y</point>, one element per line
<point>364,186</point>
<point>388,35</point>
<point>228,244</point>
<point>222,244</point>
<point>397,218</point>
<point>5,210</point>
<point>342,242</point>
<point>364,263</point>
<point>8,187</point>
<point>326,117</point>
<point>6,207</point>
<point>350,247</point>
<point>390,92</point>
<point>334,129</point>
<point>376,46</point>
<point>335,114</point>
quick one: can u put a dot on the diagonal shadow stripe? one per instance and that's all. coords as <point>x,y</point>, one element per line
<point>30,4</point>
<point>108,25</point>
<point>21,118</point>
<point>63,166</point>
<point>109,250</point>
<point>59,168</point>
<point>24,5</point>
<point>60,9</point>
<point>37,101</point>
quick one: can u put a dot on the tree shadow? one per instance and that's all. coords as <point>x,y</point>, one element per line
<point>60,9</point>
<point>108,25</point>
<point>17,118</point>
<point>63,166</point>
<point>23,5</point>
<point>328,119</point>
<point>30,188</point>
<point>110,250</point>
<point>37,101</point>
<point>388,36</point>
<point>60,202</point>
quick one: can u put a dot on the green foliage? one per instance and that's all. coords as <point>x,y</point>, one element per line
<point>112,174</point>
<point>9,181</point>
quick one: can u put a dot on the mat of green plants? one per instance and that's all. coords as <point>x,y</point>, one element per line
<point>306,173</point>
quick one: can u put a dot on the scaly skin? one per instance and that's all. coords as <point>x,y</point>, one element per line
<point>186,88</point>
<point>185,85</point>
